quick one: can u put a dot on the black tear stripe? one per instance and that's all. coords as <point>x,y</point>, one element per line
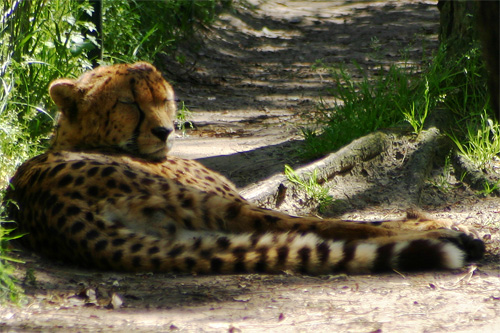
<point>142,115</point>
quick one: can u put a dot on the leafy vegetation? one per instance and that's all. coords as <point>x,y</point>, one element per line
<point>481,143</point>
<point>415,117</point>
<point>183,115</point>
<point>142,29</point>
<point>361,106</point>
<point>442,180</point>
<point>406,93</point>
<point>310,185</point>
<point>488,189</point>
<point>8,286</point>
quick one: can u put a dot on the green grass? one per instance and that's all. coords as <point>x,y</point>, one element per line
<point>134,31</point>
<point>402,94</point>
<point>415,115</point>
<point>183,115</point>
<point>9,289</point>
<point>360,107</point>
<point>489,189</point>
<point>481,142</point>
<point>442,181</point>
<point>460,84</point>
<point>38,53</point>
<point>463,91</point>
<point>310,185</point>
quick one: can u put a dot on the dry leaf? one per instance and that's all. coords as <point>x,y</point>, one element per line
<point>116,301</point>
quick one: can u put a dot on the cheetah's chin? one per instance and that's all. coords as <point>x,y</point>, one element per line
<point>158,154</point>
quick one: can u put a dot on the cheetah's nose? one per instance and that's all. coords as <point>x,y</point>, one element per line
<point>161,133</point>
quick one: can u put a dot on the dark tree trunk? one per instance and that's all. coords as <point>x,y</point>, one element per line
<point>462,22</point>
<point>456,28</point>
<point>94,54</point>
<point>488,27</point>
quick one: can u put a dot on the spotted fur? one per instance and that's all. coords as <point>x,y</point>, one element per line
<point>107,195</point>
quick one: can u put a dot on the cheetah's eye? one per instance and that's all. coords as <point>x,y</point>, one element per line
<point>126,100</point>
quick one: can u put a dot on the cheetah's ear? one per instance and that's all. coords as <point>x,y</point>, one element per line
<point>65,93</point>
<point>62,92</point>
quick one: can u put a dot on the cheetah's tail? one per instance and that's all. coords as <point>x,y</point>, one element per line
<point>306,253</point>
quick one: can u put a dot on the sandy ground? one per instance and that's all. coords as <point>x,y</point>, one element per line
<point>249,87</point>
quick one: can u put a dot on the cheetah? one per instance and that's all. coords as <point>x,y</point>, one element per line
<point>107,195</point>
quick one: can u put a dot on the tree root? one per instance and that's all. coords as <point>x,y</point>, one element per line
<point>473,176</point>
<point>430,143</point>
<point>272,191</point>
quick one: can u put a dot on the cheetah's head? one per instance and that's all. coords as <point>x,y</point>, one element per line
<point>129,108</point>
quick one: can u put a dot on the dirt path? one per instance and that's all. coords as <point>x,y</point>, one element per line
<point>253,79</point>
<point>248,86</point>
